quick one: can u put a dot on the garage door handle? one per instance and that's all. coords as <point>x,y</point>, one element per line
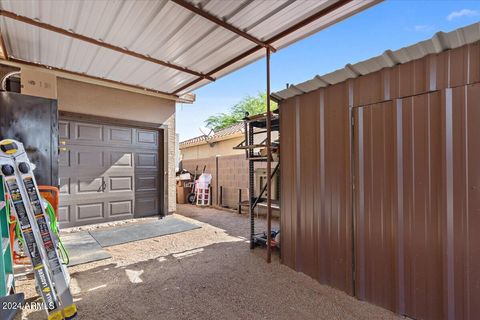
<point>102,187</point>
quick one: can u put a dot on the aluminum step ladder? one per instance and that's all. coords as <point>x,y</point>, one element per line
<point>8,296</point>
<point>41,245</point>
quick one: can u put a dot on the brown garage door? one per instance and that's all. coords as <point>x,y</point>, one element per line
<point>107,173</point>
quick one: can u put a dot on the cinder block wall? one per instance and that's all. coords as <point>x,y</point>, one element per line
<point>228,172</point>
<point>210,164</point>
<point>232,176</point>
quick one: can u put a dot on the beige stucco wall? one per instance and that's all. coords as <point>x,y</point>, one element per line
<point>85,98</point>
<point>81,97</point>
<point>224,147</point>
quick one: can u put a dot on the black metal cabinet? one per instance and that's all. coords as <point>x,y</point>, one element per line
<point>34,122</point>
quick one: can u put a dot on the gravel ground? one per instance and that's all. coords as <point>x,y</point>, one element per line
<point>207,273</point>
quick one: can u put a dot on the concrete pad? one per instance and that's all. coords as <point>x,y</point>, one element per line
<point>83,248</point>
<point>141,231</point>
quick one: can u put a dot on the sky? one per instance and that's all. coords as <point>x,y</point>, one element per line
<point>392,24</point>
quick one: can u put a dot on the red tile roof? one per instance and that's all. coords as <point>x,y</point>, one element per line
<point>231,130</point>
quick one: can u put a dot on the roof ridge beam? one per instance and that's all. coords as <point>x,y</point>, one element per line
<point>102,44</point>
<point>223,23</point>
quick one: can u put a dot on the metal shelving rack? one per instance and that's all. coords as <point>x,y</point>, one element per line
<point>254,126</point>
<point>270,122</point>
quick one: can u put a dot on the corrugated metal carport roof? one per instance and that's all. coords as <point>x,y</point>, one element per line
<point>439,42</point>
<point>165,45</point>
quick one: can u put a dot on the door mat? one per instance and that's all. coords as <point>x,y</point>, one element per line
<point>83,248</point>
<point>141,231</point>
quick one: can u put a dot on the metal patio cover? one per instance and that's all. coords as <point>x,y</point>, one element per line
<point>166,46</point>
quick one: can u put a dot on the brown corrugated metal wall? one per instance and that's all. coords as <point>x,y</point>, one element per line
<point>397,205</point>
<point>420,175</point>
<point>316,177</point>
<point>389,209</point>
<point>316,217</point>
<point>374,204</point>
<point>462,201</point>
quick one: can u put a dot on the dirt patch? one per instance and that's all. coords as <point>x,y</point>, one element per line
<point>207,273</point>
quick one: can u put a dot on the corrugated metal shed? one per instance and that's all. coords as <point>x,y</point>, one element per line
<point>439,42</point>
<point>380,179</point>
<point>162,30</point>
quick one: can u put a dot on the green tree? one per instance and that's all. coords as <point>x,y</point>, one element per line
<point>251,104</point>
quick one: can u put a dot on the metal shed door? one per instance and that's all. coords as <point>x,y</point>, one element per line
<point>107,173</point>
<point>398,214</point>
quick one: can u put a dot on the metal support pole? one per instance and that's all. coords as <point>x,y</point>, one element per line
<point>239,201</point>
<point>247,138</point>
<point>269,164</point>
<point>220,198</point>
<point>217,177</point>
<point>251,186</point>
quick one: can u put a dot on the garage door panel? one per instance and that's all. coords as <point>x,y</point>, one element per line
<point>147,138</point>
<point>64,130</point>
<point>121,208</point>
<point>120,159</point>
<point>64,158</point>
<point>119,135</point>
<point>88,132</point>
<point>146,183</point>
<point>148,206</point>
<point>80,172</point>
<point>64,214</point>
<point>90,184</point>
<point>90,211</point>
<point>65,186</point>
<point>146,160</point>
<point>92,158</point>
<point>83,197</point>
<point>121,183</point>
